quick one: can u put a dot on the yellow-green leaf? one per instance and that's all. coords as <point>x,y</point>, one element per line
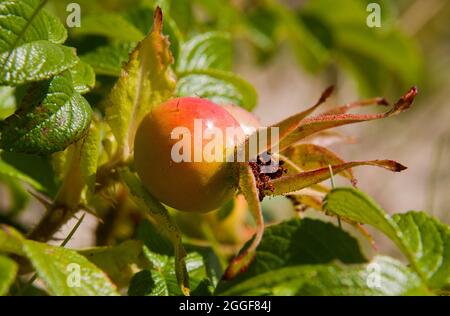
<point>8,271</point>
<point>119,262</point>
<point>10,240</point>
<point>83,77</point>
<point>145,81</point>
<point>423,239</point>
<point>89,156</point>
<point>108,59</point>
<point>66,272</point>
<point>112,25</point>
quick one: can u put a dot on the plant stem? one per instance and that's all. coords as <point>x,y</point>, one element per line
<point>53,219</point>
<point>333,186</point>
<point>154,210</point>
<point>114,217</point>
<point>107,173</point>
<point>438,153</point>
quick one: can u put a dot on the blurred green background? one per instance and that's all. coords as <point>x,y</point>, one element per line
<point>291,50</point>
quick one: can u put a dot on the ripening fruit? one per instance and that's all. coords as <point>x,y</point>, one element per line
<point>249,122</point>
<point>180,154</point>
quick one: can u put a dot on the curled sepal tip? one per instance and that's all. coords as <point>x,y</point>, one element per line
<point>247,184</point>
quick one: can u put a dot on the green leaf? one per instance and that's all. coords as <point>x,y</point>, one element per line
<point>383,276</point>
<point>10,171</point>
<point>145,82</point>
<point>159,214</point>
<point>429,242</point>
<point>165,5</point>
<point>369,76</point>
<point>183,14</point>
<point>225,210</point>
<point>206,51</point>
<point>424,240</point>
<point>176,38</point>
<point>83,77</point>
<point>369,53</point>
<point>354,205</point>
<point>30,43</point>
<point>23,288</point>
<point>108,60</point>
<point>89,157</point>
<point>219,86</point>
<point>7,101</point>
<point>118,261</point>
<point>141,17</point>
<point>204,288</point>
<point>157,243</point>
<point>226,13</point>
<point>34,62</point>
<point>8,271</point>
<point>308,50</point>
<point>154,240</point>
<point>299,242</point>
<point>161,279</point>
<point>23,21</point>
<point>59,268</point>
<point>398,53</point>
<point>261,25</point>
<point>34,170</point>
<point>111,25</point>
<point>10,240</point>
<point>52,116</point>
<point>17,193</point>
<point>141,284</point>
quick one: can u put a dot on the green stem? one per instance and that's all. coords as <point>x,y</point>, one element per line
<point>334,186</point>
<point>438,154</point>
<point>156,211</point>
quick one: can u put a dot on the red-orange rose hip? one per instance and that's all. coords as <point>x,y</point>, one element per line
<point>192,184</point>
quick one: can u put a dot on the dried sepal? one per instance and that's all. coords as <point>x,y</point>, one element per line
<point>302,201</point>
<point>312,125</point>
<point>285,127</point>
<point>310,157</point>
<point>248,187</point>
<point>302,180</point>
<point>341,109</point>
